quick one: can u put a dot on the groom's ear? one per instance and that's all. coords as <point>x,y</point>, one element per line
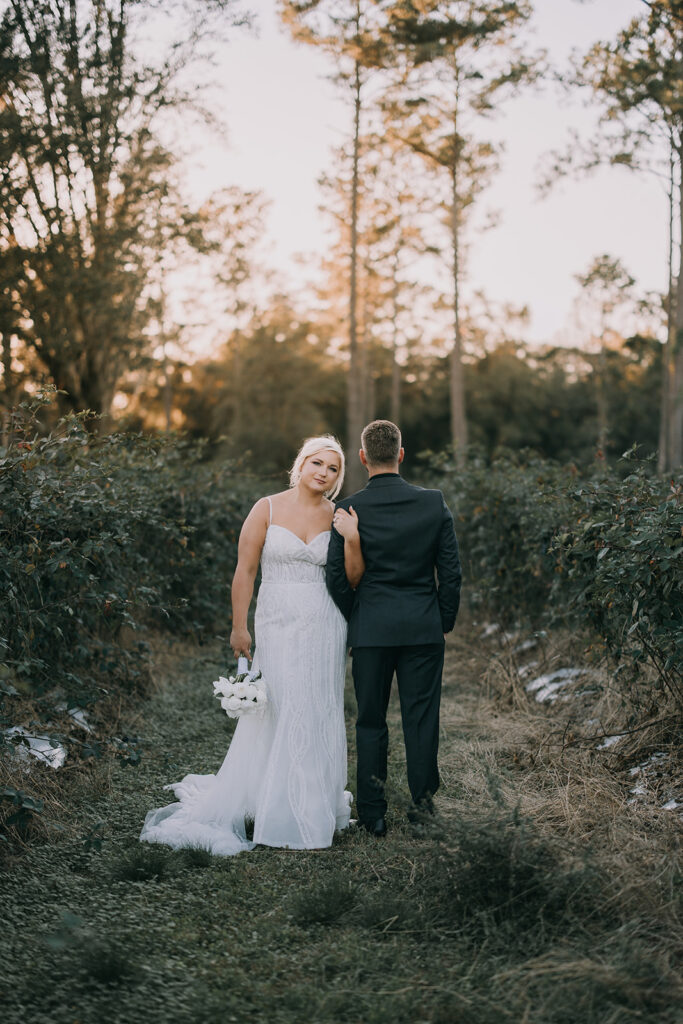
<point>401,455</point>
<point>361,456</point>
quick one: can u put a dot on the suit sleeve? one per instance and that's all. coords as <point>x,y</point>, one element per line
<point>448,570</point>
<point>335,574</point>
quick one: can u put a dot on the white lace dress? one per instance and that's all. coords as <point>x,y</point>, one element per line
<point>286,768</point>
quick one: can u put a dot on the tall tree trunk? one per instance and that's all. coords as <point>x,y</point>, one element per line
<point>676,399</point>
<point>664,447</point>
<point>457,383</point>
<point>354,398</point>
<point>367,400</point>
<point>395,413</point>
<point>600,370</point>
<point>8,388</point>
<point>167,391</point>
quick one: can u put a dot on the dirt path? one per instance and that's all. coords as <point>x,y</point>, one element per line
<point>540,895</point>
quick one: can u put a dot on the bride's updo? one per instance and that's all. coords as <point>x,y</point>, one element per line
<point>311,446</point>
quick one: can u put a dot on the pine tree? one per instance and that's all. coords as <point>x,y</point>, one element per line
<point>454,62</point>
<point>637,82</point>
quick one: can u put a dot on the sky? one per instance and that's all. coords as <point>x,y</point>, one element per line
<point>284,117</point>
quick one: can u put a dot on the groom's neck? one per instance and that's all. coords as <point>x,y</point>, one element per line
<point>379,470</point>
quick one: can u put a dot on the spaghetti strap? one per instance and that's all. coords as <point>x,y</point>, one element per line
<point>270,506</point>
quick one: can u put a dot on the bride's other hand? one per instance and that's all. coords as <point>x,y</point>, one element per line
<point>240,642</point>
<point>346,523</point>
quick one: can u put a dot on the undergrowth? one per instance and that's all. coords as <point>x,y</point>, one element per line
<point>531,901</point>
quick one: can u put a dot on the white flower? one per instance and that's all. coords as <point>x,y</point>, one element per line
<point>261,697</point>
<point>221,685</point>
<point>252,691</point>
<point>241,690</point>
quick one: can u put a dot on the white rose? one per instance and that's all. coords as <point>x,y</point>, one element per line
<point>252,691</point>
<point>261,697</point>
<point>233,703</point>
<point>241,690</point>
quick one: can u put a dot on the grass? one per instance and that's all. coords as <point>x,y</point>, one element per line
<point>539,895</point>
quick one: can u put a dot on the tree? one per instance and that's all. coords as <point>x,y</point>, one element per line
<point>346,29</point>
<point>454,62</point>
<point>389,246</point>
<point>637,81</point>
<point>86,186</point>
<point>267,415</point>
<point>606,285</point>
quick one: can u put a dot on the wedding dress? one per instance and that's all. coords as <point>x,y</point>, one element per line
<point>286,766</point>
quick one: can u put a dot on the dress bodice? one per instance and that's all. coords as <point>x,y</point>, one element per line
<point>286,558</point>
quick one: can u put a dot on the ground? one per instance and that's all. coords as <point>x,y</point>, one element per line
<point>541,894</point>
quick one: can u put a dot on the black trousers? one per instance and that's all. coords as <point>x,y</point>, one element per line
<point>418,673</point>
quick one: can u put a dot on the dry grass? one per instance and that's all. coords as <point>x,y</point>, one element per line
<point>540,895</point>
<point>84,777</point>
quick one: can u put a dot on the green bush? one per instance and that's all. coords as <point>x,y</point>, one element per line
<point>102,533</point>
<point>543,544</point>
<point>622,562</point>
<point>507,514</point>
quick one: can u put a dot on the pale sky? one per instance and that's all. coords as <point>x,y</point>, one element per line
<point>284,118</point>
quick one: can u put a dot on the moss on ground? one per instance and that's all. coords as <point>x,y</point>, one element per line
<point>534,897</point>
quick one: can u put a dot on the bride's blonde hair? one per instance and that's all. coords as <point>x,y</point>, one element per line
<point>311,446</point>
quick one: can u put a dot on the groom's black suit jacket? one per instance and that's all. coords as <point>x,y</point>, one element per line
<point>406,533</point>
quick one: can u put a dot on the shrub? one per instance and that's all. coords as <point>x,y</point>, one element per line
<point>507,514</point>
<point>604,551</point>
<point>622,564</point>
<point>100,534</point>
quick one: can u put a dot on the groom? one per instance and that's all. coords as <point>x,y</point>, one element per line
<point>397,618</point>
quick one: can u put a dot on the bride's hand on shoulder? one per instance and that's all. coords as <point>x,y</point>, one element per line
<point>240,642</point>
<point>346,523</point>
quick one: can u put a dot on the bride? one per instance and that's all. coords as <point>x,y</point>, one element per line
<point>286,767</point>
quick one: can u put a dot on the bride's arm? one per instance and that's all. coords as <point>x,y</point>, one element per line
<point>346,523</point>
<point>251,542</point>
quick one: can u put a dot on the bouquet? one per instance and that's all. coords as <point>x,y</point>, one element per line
<point>241,694</point>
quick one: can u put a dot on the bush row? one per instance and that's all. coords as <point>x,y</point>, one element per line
<point>544,544</point>
<point>100,536</point>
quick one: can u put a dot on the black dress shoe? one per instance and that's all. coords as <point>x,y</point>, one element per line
<point>377,828</point>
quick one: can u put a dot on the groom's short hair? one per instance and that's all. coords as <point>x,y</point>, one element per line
<point>381,441</point>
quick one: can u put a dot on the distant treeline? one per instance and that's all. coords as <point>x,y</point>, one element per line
<point>277,383</point>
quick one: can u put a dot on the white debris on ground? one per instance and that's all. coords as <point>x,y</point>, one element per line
<point>77,715</point>
<point>528,645</point>
<point>546,687</point>
<point>494,629</point>
<point>652,771</point>
<point>653,759</point>
<point>524,670</point>
<point>38,746</point>
<point>609,741</point>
